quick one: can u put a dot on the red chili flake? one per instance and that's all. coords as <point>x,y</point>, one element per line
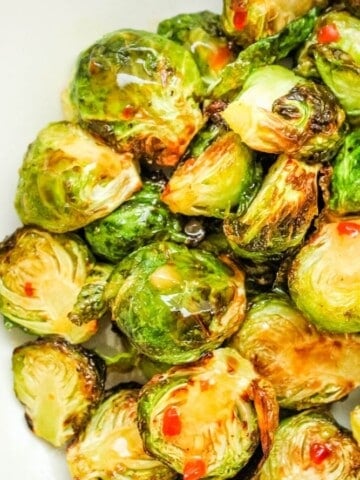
<point>29,290</point>
<point>171,422</point>
<point>129,112</point>
<point>319,452</point>
<point>351,229</point>
<point>220,57</point>
<point>194,469</point>
<point>328,33</point>
<point>240,18</point>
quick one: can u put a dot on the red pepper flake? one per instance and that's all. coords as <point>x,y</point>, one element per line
<point>128,112</point>
<point>194,469</point>
<point>171,422</point>
<point>29,290</point>
<point>240,18</point>
<point>351,229</point>
<point>319,452</point>
<point>328,33</point>
<point>220,57</point>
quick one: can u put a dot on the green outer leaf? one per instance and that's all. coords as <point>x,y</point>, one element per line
<point>140,220</point>
<point>176,303</point>
<point>263,52</point>
<point>201,34</point>
<point>337,63</point>
<point>116,74</point>
<point>345,179</point>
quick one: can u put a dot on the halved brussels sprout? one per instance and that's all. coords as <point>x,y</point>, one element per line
<point>345,179</point>
<point>50,284</point>
<point>265,51</point>
<point>138,91</point>
<point>355,423</point>
<point>324,277</point>
<point>311,446</point>
<point>69,179</point>
<point>59,384</point>
<point>137,222</point>
<point>296,116</point>
<point>249,20</point>
<point>280,214</point>
<point>175,303</point>
<point>205,419</point>
<point>201,33</point>
<point>110,447</point>
<point>291,354</point>
<point>223,175</point>
<point>333,53</point>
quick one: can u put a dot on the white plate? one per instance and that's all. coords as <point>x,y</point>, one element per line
<point>39,42</point>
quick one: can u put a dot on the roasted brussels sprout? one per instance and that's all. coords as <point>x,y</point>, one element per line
<point>223,175</point>
<point>50,284</point>
<point>137,222</point>
<point>307,368</point>
<point>310,445</point>
<point>295,116</point>
<point>249,20</point>
<point>201,33</point>
<point>345,179</point>
<point>280,214</point>
<point>175,303</point>
<point>111,448</point>
<point>263,52</point>
<point>324,277</point>
<point>333,53</point>
<point>355,423</point>
<point>69,179</point>
<point>205,419</point>
<point>59,385</point>
<point>139,92</point>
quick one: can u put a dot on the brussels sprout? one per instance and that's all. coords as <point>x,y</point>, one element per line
<point>59,385</point>
<point>137,222</point>
<point>249,20</point>
<point>345,179</point>
<point>221,177</point>
<point>311,446</point>
<point>355,423</point>
<point>294,356</point>
<point>50,284</point>
<point>138,91</point>
<point>69,179</point>
<point>263,52</point>
<point>295,116</point>
<point>207,416</point>
<point>333,53</point>
<point>280,214</point>
<point>111,448</point>
<point>324,277</point>
<point>201,33</point>
<point>175,303</point>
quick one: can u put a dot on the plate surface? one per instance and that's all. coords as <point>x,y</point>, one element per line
<point>39,42</point>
